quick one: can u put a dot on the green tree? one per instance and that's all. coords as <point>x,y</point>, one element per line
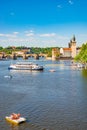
<point>82,56</point>
<point>1,48</point>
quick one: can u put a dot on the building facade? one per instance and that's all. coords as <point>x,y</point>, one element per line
<point>71,50</point>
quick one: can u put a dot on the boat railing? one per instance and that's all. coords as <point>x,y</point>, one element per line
<point>25,63</point>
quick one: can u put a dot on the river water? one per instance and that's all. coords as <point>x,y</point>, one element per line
<point>48,100</point>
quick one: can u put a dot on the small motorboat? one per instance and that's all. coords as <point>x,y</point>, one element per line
<point>52,70</point>
<point>8,76</point>
<point>15,118</point>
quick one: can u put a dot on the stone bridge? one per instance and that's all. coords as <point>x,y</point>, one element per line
<point>26,56</point>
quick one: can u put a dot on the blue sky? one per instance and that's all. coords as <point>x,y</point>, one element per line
<point>42,23</point>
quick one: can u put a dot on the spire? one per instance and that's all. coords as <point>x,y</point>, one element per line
<point>74,39</point>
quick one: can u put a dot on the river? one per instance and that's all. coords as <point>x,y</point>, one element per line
<point>48,100</point>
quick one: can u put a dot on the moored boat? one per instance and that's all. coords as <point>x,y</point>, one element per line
<point>25,66</point>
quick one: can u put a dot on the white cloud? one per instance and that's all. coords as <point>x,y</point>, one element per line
<point>29,34</point>
<point>29,31</point>
<point>15,33</point>
<point>1,35</point>
<point>48,35</point>
<point>29,38</point>
<point>70,2</point>
<point>8,35</point>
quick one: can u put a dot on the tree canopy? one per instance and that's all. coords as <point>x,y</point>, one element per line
<point>36,50</point>
<point>82,56</point>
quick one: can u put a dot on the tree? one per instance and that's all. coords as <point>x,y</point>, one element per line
<point>82,56</point>
<point>1,48</point>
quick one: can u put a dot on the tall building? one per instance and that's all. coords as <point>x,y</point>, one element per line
<point>72,45</point>
<point>71,50</point>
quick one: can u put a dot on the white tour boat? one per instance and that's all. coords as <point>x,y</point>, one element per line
<point>25,66</point>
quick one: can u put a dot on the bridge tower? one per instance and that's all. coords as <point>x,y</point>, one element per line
<point>36,56</point>
<point>55,53</point>
<point>14,57</point>
<point>25,57</point>
<point>72,45</point>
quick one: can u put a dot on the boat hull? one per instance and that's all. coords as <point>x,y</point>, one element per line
<point>10,68</point>
<point>15,121</point>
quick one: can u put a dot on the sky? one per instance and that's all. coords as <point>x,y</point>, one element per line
<point>42,23</point>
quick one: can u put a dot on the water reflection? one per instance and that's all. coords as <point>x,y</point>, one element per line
<point>14,127</point>
<point>84,73</point>
<point>12,72</point>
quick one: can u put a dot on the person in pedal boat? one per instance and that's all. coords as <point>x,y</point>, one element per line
<point>15,116</point>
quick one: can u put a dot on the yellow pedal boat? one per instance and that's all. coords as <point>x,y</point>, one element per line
<point>15,121</point>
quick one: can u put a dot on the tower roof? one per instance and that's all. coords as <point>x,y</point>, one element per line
<point>74,39</point>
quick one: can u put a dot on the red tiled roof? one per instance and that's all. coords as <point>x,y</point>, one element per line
<point>67,49</point>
